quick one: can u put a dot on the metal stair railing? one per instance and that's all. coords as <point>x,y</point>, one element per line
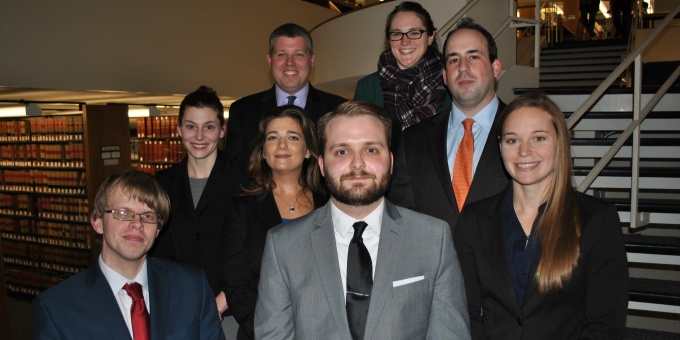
<point>636,219</point>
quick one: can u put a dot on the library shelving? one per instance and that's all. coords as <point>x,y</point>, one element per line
<point>155,143</point>
<point>50,170</point>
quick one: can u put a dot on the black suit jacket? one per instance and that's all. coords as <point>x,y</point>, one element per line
<point>244,121</point>
<point>249,222</point>
<point>84,307</point>
<point>593,304</point>
<point>421,179</point>
<point>198,236</point>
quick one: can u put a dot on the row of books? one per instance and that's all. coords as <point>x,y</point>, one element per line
<point>57,128</point>
<point>31,282</point>
<point>69,182</point>
<point>46,256</point>
<point>152,169</point>
<point>157,127</point>
<point>61,234</point>
<point>170,151</point>
<point>64,208</point>
<point>55,155</point>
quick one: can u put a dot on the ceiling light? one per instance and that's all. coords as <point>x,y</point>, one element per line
<point>30,109</point>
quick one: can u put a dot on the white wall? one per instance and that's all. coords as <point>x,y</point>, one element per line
<point>154,46</point>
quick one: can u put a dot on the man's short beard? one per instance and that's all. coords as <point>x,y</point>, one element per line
<point>354,196</point>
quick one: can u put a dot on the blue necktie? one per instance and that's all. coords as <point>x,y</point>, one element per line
<point>291,100</point>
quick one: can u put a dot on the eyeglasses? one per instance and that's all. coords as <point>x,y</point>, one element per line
<point>129,215</point>
<point>413,35</point>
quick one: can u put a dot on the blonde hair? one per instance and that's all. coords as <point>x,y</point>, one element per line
<point>559,228</point>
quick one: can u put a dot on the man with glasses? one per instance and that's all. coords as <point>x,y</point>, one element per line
<point>290,59</point>
<point>124,294</point>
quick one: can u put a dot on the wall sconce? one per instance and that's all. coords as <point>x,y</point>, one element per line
<point>30,109</point>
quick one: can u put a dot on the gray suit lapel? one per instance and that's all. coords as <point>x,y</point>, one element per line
<point>323,246</point>
<point>391,237</point>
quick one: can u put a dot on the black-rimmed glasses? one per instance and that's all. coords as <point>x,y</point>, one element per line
<point>129,215</point>
<point>413,35</point>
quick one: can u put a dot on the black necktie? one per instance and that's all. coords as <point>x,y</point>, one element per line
<point>359,282</point>
<point>291,100</point>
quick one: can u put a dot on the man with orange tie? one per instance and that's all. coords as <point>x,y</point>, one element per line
<point>450,160</point>
<point>124,294</point>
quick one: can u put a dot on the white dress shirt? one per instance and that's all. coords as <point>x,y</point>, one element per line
<point>342,225</point>
<point>117,281</point>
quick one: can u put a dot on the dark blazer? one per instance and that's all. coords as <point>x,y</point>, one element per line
<point>84,307</point>
<point>250,221</point>
<point>421,179</point>
<point>196,235</point>
<point>244,120</point>
<point>593,305</point>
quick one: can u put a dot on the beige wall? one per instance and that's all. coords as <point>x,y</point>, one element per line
<point>155,46</point>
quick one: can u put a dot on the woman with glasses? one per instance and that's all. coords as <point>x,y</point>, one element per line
<point>200,188</point>
<point>408,83</point>
<point>542,260</point>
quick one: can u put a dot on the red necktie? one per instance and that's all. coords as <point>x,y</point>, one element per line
<point>140,317</point>
<point>462,169</point>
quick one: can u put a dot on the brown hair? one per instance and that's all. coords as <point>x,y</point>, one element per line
<point>559,228</point>
<point>353,109</point>
<point>259,170</point>
<point>136,185</point>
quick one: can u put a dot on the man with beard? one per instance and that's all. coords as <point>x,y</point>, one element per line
<point>433,152</point>
<point>322,275</point>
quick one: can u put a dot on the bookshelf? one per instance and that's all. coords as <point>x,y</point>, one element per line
<point>50,170</point>
<point>155,143</point>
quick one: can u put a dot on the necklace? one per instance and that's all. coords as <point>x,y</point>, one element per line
<point>292,206</point>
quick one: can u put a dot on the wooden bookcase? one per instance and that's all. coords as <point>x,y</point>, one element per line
<point>157,145</point>
<point>50,170</point>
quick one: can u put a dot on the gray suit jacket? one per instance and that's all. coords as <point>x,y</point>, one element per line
<point>300,289</point>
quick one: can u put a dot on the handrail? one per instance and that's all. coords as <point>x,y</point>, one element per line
<point>449,24</point>
<point>599,91</point>
<point>636,220</point>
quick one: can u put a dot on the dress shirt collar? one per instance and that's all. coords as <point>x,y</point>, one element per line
<point>301,100</point>
<point>117,281</point>
<point>484,117</point>
<point>343,222</point>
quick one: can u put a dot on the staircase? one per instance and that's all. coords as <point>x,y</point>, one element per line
<point>581,63</point>
<point>653,250</point>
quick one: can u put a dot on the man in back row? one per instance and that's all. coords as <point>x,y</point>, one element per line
<point>290,59</point>
<point>442,164</point>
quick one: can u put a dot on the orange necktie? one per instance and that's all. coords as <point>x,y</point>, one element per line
<point>462,169</point>
<point>140,316</point>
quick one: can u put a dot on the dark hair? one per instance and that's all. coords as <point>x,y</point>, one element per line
<point>259,170</point>
<point>203,97</point>
<point>353,109</point>
<point>419,11</point>
<point>559,228</point>
<point>291,30</point>
<point>136,185</point>
<point>469,23</point>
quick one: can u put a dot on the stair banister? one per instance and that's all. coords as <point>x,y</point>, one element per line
<point>444,30</point>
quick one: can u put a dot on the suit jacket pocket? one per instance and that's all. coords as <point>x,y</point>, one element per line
<point>410,289</point>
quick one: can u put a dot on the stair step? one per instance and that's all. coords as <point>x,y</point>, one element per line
<point>626,172</point>
<point>658,245</point>
<point>581,61</point>
<point>568,69</point>
<point>664,292</point>
<point>648,334</point>
<point>610,141</point>
<point>588,55</point>
<point>574,83</point>
<point>575,75</point>
<point>553,51</point>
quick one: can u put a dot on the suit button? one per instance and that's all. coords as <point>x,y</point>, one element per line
<point>519,321</point>
<point>197,236</point>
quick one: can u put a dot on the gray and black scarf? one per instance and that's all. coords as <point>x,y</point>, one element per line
<point>413,94</point>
